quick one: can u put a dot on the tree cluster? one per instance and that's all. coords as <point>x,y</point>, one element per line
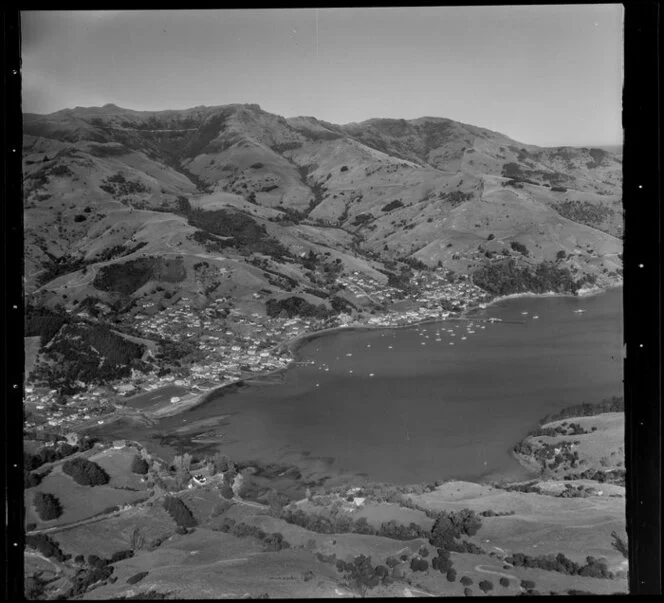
<point>179,512</point>
<point>48,506</point>
<point>344,524</point>
<point>127,277</point>
<point>593,568</point>
<point>361,575</point>
<point>85,472</point>
<point>508,277</point>
<point>46,546</point>
<point>272,542</point>
<point>295,306</point>
<point>44,322</point>
<point>587,409</point>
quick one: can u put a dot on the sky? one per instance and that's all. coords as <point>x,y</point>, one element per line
<point>544,75</point>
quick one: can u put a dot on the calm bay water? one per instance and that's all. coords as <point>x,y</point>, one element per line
<point>431,410</point>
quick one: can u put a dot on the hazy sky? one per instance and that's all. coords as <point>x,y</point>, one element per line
<point>547,75</point>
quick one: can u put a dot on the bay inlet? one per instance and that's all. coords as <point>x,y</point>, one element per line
<point>430,402</point>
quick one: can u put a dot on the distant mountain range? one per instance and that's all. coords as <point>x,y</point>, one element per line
<point>121,203</point>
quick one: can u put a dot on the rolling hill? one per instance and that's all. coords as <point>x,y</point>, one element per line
<point>107,186</point>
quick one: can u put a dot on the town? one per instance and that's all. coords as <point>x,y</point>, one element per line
<point>232,345</point>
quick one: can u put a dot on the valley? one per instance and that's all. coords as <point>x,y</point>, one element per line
<point>177,258</point>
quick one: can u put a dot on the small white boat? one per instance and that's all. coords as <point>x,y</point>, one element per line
<point>464,338</point>
<point>579,311</point>
<point>451,343</point>
<point>371,374</point>
<point>524,313</point>
<point>389,347</point>
<point>535,317</point>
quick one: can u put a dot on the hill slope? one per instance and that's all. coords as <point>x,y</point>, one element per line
<point>103,185</point>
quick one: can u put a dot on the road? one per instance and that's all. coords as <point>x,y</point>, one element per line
<point>480,568</point>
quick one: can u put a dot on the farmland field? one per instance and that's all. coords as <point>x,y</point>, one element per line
<point>78,502</point>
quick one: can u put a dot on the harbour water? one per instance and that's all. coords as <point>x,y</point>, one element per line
<point>437,401</point>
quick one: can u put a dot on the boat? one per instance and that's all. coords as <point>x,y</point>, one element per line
<point>579,311</point>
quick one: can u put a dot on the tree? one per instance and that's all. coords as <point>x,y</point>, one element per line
<point>179,512</point>
<point>237,484</point>
<point>466,581</point>
<point>561,255</point>
<point>451,575</point>
<point>468,592</point>
<point>137,540</point>
<point>619,545</point>
<point>504,582</point>
<point>48,506</point>
<point>226,491</point>
<point>220,463</point>
<point>527,584</point>
<point>486,586</point>
<point>182,465</point>
<point>361,575</point>
<point>274,502</point>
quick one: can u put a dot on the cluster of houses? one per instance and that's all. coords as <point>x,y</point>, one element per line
<point>54,411</point>
<point>363,286</point>
<point>246,343</point>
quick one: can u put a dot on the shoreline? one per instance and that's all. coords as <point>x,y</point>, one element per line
<point>295,344</point>
<point>582,293</point>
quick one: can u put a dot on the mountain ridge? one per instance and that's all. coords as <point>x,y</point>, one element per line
<point>453,196</point>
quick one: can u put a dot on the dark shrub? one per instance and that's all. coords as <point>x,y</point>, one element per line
<point>84,472</point>
<point>520,247</point>
<point>504,582</point>
<point>96,561</point>
<point>491,237</point>
<point>48,506</point>
<point>139,465</point>
<point>137,577</point>
<point>468,592</point>
<point>392,205</point>
<point>120,555</point>
<point>466,581</point>
<point>451,575</point>
<point>527,584</point>
<point>419,565</point>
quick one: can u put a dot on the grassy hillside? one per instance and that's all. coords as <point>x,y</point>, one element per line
<point>430,188</point>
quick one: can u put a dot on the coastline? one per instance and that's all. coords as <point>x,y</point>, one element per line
<point>295,344</point>
<point>589,292</point>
